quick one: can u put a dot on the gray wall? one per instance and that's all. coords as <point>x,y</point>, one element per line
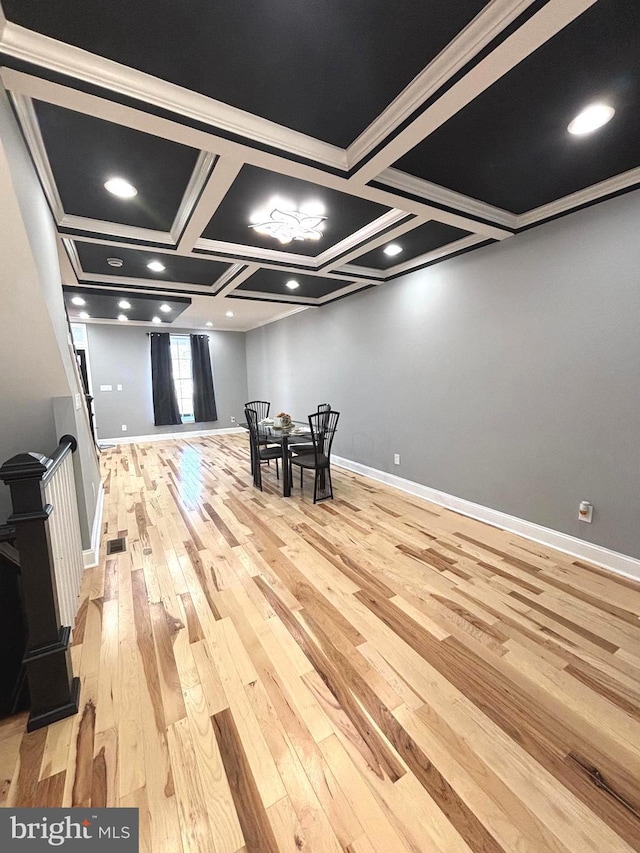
<point>37,363</point>
<point>508,376</point>
<point>120,355</point>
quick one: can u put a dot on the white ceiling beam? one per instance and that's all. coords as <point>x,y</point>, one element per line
<point>480,32</point>
<point>79,64</point>
<point>531,35</point>
<point>218,184</point>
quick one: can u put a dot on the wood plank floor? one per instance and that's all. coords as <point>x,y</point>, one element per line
<point>371,674</point>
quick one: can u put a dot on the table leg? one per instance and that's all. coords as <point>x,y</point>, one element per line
<point>286,479</point>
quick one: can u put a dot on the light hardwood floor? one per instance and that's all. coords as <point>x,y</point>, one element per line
<point>373,673</point>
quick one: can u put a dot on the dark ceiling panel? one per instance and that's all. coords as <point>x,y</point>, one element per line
<point>253,189</point>
<point>273,282</point>
<point>84,152</point>
<point>510,147</point>
<point>325,68</point>
<point>103,305</point>
<point>423,239</point>
<point>93,258</point>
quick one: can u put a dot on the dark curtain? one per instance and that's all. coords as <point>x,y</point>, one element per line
<point>165,403</point>
<point>204,401</point>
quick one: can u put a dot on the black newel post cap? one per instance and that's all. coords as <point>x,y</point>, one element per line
<point>25,466</point>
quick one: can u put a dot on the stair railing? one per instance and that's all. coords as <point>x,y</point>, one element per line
<point>49,544</point>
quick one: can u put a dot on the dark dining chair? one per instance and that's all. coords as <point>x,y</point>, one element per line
<point>260,407</point>
<point>323,428</point>
<point>324,408</point>
<point>259,452</point>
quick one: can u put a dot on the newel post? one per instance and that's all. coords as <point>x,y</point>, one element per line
<point>52,688</point>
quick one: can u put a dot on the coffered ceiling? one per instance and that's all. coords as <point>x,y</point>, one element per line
<point>429,126</point>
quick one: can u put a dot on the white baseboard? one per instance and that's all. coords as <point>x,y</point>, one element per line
<point>91,556</point>
<point>621,564</point>
<point>169,436</point>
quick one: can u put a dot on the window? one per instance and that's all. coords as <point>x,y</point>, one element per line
<point>182,375</point>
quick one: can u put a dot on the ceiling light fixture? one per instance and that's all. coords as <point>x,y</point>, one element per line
<point>392,249</point>
<point>122,317</point>
<point>292,284</point>
<point>124,304</point>
<point>78,300</point>
<point>83,315</point>
<point>120,187</point>
<point>156,320</point>
<point>591,118</point>
<point>114,262</point>
<point>280,220</point>
<point>166,308</point>
<point>156,266</point>
<point>229,314</point>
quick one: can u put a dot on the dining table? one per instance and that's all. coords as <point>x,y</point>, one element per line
<point>298,432</point>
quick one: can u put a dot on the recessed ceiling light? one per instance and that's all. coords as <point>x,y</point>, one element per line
<point>124,304</point>
<point>209,324</point>
<point>120,187</point>
<point>114,262</point>
<point>156,320</point>
<point>591,118</point>
<point>83,315</point>
<point>229,314</point>
<point>292,284</point>
<point>166,308</point>
<point>156,266</point>
<point>78,300</point>
<point>122,317</point>
<point>392,249</point>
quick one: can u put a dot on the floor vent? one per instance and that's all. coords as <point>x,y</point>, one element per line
<point>116,546</point>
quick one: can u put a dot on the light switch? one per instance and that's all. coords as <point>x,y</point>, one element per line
<point>106,388</point>
<point>118,387</point>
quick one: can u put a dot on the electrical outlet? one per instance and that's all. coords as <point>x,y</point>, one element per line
<point>585,512</point>
<point>106,388</point>
<point>119,387</point>
<point>396,458</point>
<point>124,427</point>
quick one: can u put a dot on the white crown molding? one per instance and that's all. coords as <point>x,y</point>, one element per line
<point>368,232</point>
<point>79,64</point>
<point>151,283</point>
<point>537,30</point>
<point>91,556</point>
<point>593,193</point>
<point>469,42</point>
<point>376,242</point>
<point>254,253</point>
<point>398,180</point>
<point>289,313</point>
<point>435,254</point>
<point>407,266</point>
<point>363,272</point>
<point>200,175</point>
<point>277,297</point>
<point>72,254</point>
<point>115,229</point>
<point>616,562</point>
<point>352,287</point>
<point>31,130</point>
